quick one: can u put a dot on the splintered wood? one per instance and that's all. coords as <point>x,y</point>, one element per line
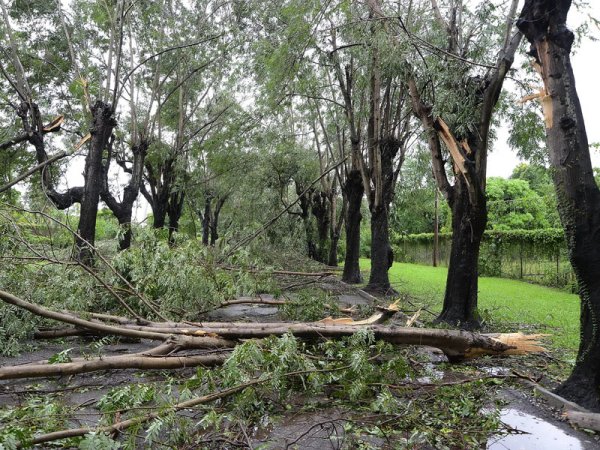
<point>176,337</point>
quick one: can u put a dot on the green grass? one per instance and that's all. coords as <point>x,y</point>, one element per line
<point>505,304</point>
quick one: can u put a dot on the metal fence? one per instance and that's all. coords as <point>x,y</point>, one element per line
<point>529,255</point>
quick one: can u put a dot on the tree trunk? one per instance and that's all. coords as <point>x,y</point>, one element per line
<point>159,215</point>
<point>305,202</point>
<point>160,179</point>
<point>436,230</point>
<point>332,257</point>
<point>123,210</point>
<point>468,225</point>
<point>353,190</point>
<point>206,220</point>
<point>335,227</point>
<point>214,223</point>
<point>320,210</point>
<point>544,25</point>
<point>103,123</point>
<point>382,255</point>
<point>174,211</point>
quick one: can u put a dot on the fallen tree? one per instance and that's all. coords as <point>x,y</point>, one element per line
<point>176,337</point>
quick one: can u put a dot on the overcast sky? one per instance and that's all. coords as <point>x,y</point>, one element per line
<point>586,62</point>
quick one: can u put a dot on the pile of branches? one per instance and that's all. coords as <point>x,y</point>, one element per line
<point>209,344</point>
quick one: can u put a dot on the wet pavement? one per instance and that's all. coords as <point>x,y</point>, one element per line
<point>537,427</point>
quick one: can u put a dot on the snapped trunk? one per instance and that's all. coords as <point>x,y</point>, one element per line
<point>544,25</point>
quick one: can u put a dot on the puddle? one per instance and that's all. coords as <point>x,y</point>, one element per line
<point>496,371</point>
<point>431,374</point>
<point>542,435</point>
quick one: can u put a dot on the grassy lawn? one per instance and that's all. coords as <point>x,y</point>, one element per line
<point>505,304</point>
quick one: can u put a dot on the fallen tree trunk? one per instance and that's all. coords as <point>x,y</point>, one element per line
<point>111,363</point>
<point>200,341</point>
<point>590,421</point>
<point>456,344</point>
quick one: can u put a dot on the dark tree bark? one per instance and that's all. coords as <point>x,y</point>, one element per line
<point>468,225</point>
<point>88,195</point>
<point>206,219</point>
<point>321,211</point>
<point>123,210</point>
<point>103,124</point>
<point>174,211</point>
<point>165,201</point>
<point>544,25</point>
<point>335,231</point>
<point>382,255</point>
<point>214,223</point>
<point>35,132</point>
<point>353,190</point>
<point>305,202</point>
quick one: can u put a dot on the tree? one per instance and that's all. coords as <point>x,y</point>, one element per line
<point>543,23</point>
<point>513,205</point>
<point>383,101</point>
<point>539,179</point>
<point>466,137</point>
<point>101,122</point>
<point>413,209</point>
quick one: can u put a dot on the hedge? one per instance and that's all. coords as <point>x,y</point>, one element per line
<point>538,256</point>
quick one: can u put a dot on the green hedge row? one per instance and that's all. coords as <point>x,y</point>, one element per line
<point>539,256</point>
<point>550,237</point>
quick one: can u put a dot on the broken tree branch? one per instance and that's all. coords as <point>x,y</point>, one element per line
<point>30,172</point>
<point>120,426</point>
<point>455,344</point>
<point>142,362</point>
<point>199,341</point>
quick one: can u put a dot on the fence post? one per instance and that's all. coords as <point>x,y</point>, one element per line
<point>521,258</point>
